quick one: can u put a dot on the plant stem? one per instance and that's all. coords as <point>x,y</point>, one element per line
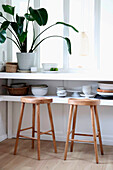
<point>27,12</point>
<point>26,25</point>
<point>58,36</point>
<point>40,34</point>
<point>25,42</point>
<point>33,31</point>
<point>50,27</point>
<point>14,42</point>
<point>28,5</point>
<point>15,37</point>
<point>4,18</point>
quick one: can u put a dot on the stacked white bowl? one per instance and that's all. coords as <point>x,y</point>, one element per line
<point>61,92</point>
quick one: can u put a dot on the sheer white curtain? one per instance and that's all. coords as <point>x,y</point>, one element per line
<point>82,17</point>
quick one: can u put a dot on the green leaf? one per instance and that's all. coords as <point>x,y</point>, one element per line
<point>39,15</point>
<point>14,25</point>
<point>2,36</point>
<point>5,25</point>
<point>17,28</point>
<point>1,14</point>
<point>63,23</point>
<point>68,44</point>
<point>20,29</point>
<point>22,37</point>
<point>20,20</point>
<point>9,9</point>
<point>29,17</point>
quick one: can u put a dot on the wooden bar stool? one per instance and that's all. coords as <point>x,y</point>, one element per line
<point>93,106</point>
<point>35,101</point>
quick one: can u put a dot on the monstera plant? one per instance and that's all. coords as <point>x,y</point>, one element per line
<point>18,27</point>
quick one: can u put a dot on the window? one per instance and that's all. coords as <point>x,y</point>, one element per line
<point>51,50</point>
<point>3,47</point>
<point>80,14</point>
<point>21,9</point>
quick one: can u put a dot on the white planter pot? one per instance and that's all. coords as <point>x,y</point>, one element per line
<point>25,60</point>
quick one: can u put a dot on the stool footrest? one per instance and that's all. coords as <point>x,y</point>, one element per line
<point>82,134</point>
<point>76,140</point>
<point>26,129</point>
<point>45,133</point>
<point>27,137</point>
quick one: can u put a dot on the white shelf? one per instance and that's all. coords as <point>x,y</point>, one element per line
<point>91,76</point>
<point>56,99</point>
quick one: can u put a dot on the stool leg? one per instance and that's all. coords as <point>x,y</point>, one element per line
<point>38,130</point>
<point>33,125</point>
<point>98,129</point>
<point>68,131</point>
<point>52,126</point>
<point>94,133</point>
<point>73,128</point>
<point>19,127</point>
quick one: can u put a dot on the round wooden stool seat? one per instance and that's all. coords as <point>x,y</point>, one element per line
<point>36,100</point>
<point>88,102</point>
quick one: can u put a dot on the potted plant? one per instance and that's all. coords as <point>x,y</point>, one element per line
<point>19,30</point>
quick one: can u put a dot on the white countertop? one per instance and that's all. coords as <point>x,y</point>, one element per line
<point>88,76</point>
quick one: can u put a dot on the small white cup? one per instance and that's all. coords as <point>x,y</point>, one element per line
<point>87,90</point>
<point>33,69</point>
<point>61,93</point>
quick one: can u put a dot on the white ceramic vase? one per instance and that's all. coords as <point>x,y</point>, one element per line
<point>25,60</point>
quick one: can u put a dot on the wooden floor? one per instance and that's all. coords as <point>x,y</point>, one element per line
<point>83,157</point>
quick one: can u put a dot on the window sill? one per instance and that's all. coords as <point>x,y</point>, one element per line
<point>88,76</point>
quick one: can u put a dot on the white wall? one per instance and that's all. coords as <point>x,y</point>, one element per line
<point>3,47</point>
<point>106,36</point>
<point>61,112</point>
<point>3,121</point>
<point>2,113</point>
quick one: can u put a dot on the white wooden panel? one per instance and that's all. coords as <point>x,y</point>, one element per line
<point>2,120</point>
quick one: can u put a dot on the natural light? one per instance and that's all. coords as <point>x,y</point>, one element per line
<point>81,16</point>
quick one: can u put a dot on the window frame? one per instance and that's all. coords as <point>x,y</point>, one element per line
<point>66,12</point>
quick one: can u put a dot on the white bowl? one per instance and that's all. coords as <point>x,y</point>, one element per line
<point>105,86</point>
<point>39,90</point>
<point>48,66</point>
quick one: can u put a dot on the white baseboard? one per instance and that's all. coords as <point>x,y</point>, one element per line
<point>107,140</point>
<point>3,137</point>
